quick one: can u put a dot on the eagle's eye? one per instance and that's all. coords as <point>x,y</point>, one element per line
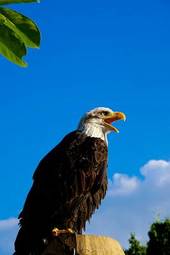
<point>105,113</point>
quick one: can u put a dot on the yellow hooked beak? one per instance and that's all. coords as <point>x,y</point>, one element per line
<point>114,116</point>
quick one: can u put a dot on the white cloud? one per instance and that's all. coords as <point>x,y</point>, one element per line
<point>157,172</point>
<point>8,230</point>
<point>8,223</point>
<point>122,184</point>
<point>133,203</point>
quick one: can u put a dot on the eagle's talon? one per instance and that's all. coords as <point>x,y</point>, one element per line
<point>69,230</point>
<point>57,232</point>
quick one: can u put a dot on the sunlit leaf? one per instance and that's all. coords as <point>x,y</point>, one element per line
<point>17,1</point>
<point>24,27</point>
<point>11,46</point>
<point>16,33</point>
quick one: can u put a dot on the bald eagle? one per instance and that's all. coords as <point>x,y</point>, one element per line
<point>69,182</point>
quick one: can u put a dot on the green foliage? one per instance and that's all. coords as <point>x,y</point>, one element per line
<point>11,46</point>
<point>2,2</point>
<point>17,32</point>
<point>135,248</point>
<point>159,238</point>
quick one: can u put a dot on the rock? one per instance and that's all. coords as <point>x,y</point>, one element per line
<point>83,245</point>
<point>97,245</point>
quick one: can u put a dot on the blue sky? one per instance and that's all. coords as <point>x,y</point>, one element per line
<point>95,53</point>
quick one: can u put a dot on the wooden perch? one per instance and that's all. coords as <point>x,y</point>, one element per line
<point>83,245</point>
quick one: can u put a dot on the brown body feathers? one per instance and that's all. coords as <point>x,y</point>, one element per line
<point>68,185</point>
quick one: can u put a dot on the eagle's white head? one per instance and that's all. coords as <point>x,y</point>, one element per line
<point>97,122</point>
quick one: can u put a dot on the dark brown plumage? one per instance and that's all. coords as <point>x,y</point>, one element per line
<point>68,185</point>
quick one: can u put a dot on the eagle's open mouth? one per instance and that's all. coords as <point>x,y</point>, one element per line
<point>112,118</point>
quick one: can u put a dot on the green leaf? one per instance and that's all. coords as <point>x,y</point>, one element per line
<point>11,46</point>
<point>17,1</point>
<point>22,26</point>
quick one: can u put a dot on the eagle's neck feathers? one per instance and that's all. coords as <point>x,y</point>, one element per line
<point>92,129</point>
